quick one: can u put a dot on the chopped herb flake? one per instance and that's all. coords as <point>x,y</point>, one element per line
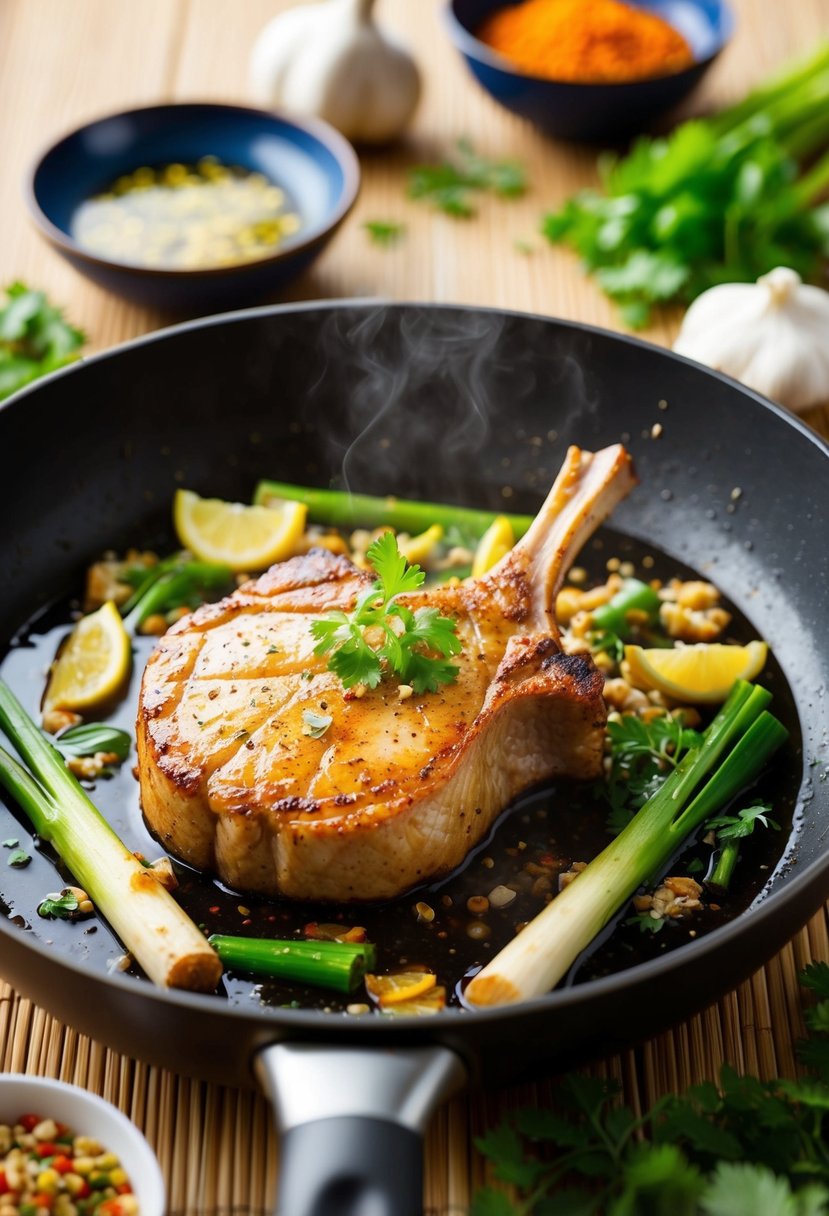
<point>60,907</point>
<point>385,232</point>
<point>315,725</point>
<point>19,859</point>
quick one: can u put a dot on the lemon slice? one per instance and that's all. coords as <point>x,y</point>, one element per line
<point>495,543</point>
<point>702,673</point>
<point>429,1003</point>
<point>236,535</point>
<point>93,664</point>
<point>395,989</point>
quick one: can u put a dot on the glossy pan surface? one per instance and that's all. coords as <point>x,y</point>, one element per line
<point>448,404</point>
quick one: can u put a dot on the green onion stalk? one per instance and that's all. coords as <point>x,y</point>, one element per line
<point>338,965</point>
<point>339,509</point>
<point>151,925</point>
<point>733,751</point>
<point>172,583</point>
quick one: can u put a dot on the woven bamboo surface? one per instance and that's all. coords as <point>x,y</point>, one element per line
<point>63,63</point>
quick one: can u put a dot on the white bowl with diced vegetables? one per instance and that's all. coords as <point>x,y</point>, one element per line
<point>40,1114</point>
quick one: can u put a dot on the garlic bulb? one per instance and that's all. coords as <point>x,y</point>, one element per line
<point>331,60</point>
<point>773,335</point>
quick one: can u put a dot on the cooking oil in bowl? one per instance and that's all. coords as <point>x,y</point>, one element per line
<point>186,217</point>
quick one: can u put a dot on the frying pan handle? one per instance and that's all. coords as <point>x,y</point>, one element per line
<point>352,1121</point>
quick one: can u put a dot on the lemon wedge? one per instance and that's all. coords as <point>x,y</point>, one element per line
<point>239,536</point>
<point>702,673</point>
<point>93,664</point>
<point>397,989</point>
<point>495,543</point>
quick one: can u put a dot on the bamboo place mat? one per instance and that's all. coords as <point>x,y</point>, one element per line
<point>62,64</point>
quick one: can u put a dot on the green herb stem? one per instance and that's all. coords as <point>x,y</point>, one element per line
<point>720,877</point>
<point>633,596</point>
<point>338,965</point>
<point>815,182</point>
<point>147,919</point>
<point>784,84</point>
<point>340,509</point>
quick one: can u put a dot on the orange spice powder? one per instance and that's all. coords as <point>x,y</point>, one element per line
<point>586,40</point>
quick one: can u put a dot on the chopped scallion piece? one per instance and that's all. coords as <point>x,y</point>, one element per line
<point>339,965</point>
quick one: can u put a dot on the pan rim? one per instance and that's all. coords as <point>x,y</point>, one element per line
<point>380,302</point>
<point>317,1022</point>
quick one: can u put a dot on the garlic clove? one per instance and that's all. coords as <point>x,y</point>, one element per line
<point>331,60</point>
<point>772,335</point>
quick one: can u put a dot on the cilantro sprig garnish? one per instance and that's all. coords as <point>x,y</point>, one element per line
<point>642,754</point>
<point>382,636</point>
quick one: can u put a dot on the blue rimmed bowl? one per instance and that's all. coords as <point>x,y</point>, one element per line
<point>315,166</point>
<point>592,112</point>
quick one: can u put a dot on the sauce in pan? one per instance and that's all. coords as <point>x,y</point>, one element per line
<point>452,926</point>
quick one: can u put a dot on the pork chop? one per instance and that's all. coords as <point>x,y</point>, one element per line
<point>397,789</point>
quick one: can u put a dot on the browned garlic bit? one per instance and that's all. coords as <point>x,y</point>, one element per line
<point>568,876</point>
<point>675,898</point>
<point>89,767</point>
<point>691,611</point>
<point>103,578</point>
<point>55,720</point>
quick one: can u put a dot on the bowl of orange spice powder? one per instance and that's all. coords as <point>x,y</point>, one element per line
<point>589,69</point>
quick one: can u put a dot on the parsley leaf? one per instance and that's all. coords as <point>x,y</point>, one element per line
<point>414,645</point>
<point>34,339</point>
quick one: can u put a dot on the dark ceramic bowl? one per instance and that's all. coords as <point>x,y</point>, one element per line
<point>314,165</point>
<point>593,112</point>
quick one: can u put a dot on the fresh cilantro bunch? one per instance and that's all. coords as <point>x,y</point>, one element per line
<point>719,200</point>
<point>744,1147</point>
<point>34,339</point>
<point>413,646</point>
<point>642,754</point>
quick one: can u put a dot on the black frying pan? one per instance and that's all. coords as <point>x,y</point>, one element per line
<point>422,401</point>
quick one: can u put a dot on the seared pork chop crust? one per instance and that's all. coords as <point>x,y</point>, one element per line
<point>398,789</point>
